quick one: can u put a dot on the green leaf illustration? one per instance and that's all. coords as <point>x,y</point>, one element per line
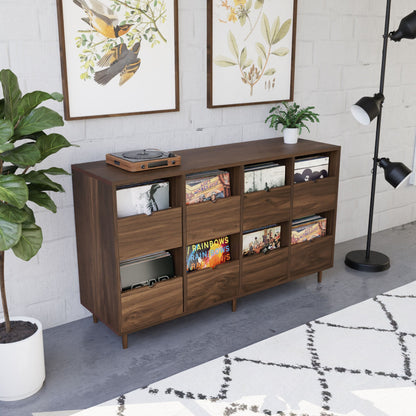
<point>243,57</point>
<point>258,4</point>
<point>281,51</point>
<point>261,50</point>
<point>283,30</point>
<point>224,62</point>
<point>275,30</point>
<point>249,4</point>
<point>270,71</point>
<point>260,63</point>
<point>265,28</point>
<point>232,44</point>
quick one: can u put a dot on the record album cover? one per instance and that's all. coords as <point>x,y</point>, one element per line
<point>261,240</point>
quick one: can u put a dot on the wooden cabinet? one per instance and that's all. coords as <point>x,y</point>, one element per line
<point>104,240</point>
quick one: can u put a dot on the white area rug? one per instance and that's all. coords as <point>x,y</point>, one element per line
<point>360,361</point>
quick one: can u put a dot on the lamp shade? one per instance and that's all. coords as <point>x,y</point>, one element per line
<point>366,109</point>
<point>394,172</point>
<point>407,28</point>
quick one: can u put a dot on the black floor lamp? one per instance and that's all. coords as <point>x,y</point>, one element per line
<point>364,111</point>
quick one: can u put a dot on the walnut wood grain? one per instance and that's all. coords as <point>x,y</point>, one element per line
<point>260,271</point>
<point>150,305</point>
<point>266,208</point>
<point>212,286</point>
<point>139,235</point>
<point>208,220</point>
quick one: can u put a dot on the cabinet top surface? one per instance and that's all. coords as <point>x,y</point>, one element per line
<point>207,158</point>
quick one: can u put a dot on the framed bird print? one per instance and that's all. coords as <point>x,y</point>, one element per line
<point>118,57</point>
<point>251,51</point>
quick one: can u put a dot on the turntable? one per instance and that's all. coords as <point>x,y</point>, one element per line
<point>143,159</point>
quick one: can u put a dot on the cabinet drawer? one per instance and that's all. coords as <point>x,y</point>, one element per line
<point>311,256</point>
<point>263,208</point>
<point>150,305</point>
<point>208,220</point>
<point>212,286</point>
<point>144,234</point>
<point>314,197</point>
<point>264,270</point>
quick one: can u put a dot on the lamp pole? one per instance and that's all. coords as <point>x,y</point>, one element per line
<point>373,261</point>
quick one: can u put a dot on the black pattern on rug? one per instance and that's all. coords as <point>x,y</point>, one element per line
<point>226,380</point>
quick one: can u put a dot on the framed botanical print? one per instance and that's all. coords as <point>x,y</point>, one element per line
<point>251,51</point>
<point>118,57</point>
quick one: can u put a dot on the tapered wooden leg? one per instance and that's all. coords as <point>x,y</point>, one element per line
<point>319,277</point>
<point>234,305</point>
<point>124,341</point>
<point>95,319</point>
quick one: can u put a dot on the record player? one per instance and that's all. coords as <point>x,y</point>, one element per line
<point>143,159</point>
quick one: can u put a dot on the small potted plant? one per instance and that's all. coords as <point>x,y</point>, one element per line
<point>292,118</point>
<point>23,144</point>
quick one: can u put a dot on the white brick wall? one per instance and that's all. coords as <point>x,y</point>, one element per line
<point>338,56</point>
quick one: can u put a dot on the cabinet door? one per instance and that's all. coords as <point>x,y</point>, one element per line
<point>212,286</point>
<point>146,306</point>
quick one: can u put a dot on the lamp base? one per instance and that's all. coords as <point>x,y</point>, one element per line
<point>376,262</point>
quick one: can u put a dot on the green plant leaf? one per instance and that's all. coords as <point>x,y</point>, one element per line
<point>29,243</point>
<point>13,190</point>
<point>243,57</point>
<point>9,169</point>
<point>25,155</point>
<point>281,51</point>
<point>11,93</point>
<point>12,214</point>
<point>6,147</point>
<point>275,30</point>
<point>30,215</point>
<point>51,144</point>
<point>6,130</point>
<point>1,108</point>
<point>260,63</point>
<point>258,4</point>
<point>283,30</point>
<point>42,199</point>
<point>32,99</point>
<point>265,28</point>
<point>261,50</point>
<point>242,19</point>
<point>54,171</point>
<point>9,234</point>
<point>249,4</point>
<point>42,182</point>
<point>270,71</point>
<point>224,62</point>
<point>232,44</point>
<point>41,118</point>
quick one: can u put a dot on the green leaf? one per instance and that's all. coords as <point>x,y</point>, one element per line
<point>223,61</point>
<point>275,30</point>
<point>11,93</point>
<point>260,63</point>
<point>30,215</point>
<point>25,155</point>
<point>232,44</point>
<point>33,99</point>
<point>242,19</point>
<point>270,71</point>
<point>12,214</point>
<point>50,144</point>
<point>54,171</point>
<point>248,5</point>
<point>42,182</point>
<point>42,199</point>
<point>29,243</point>
<point>1,108</point>
<point>9,169</point>
<point>258,4</point>
<point>265,28</point>
<point>6,130</point>
<point>13,190</point>
<point>243,57</point>
<point>281,51</point>
<point>283,30</point>
<point>9,234</point>
<point>41,118</point>
<point>6,147</point>
<point>261,50</point>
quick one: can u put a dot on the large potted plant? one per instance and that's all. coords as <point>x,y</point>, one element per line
<point>292,118</point>
<point>23,144</point>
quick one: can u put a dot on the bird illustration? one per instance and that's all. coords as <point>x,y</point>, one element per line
<point>102,18</point>
<point>120,60</point>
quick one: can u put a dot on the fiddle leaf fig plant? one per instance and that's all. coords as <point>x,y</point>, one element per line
<point>23,144</point>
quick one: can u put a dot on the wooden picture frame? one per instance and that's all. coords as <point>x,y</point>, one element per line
<point>251,52</point>
<point>117,59</point>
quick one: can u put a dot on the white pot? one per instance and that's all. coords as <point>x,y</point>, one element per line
<point>22,365</point>
<point>290,135</point>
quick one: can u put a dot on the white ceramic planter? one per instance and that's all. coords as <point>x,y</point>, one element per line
<point>22,365</point>
<point>290,135</point>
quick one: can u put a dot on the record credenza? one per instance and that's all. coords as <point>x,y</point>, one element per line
<point>104,240</point>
